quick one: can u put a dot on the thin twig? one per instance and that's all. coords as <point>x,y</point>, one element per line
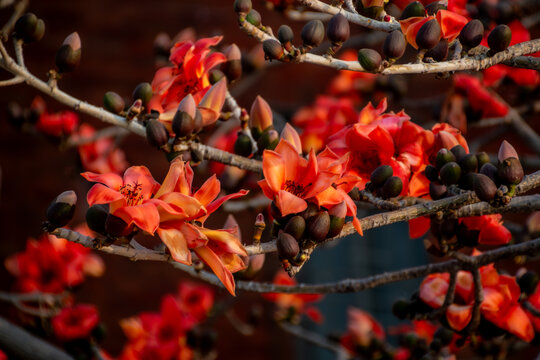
<point>296,15</point>
<point>18,9</point>
<point>478,299</point>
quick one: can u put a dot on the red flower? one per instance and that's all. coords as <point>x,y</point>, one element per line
<point>188,75</point>
<point>100,156</point>
<point>525,77</point>
<point>291,306</point>
<point>324,118</point>
<point>350,84</point>
<point>480,99</point>
<point>195,299</point>
<point>58,124</point>
<point>381,139</point>
<point>3,356</point>
<point>178,209</point>
<point>50,265</point>
<point>75,322</point>
<point>362,328</point>
<point>490,228</point>
<point>127,197</point>
<point>500,305</point>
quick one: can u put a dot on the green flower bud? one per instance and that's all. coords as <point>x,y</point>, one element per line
<point>369,59</point>
<point>414,9</point>
<point>242,145</point>
<point>429,35</point>
<point>254,18</point>
<point>469,163</point>
<point>318,226</point>
<point>143,91</point>
<point>444,156</point>
<point>450,173</point>
<point>380,175</point>
<point>113,102</point>
<point>483,158</point>
<point>272,50</point>
<point>431,173</point>
<point>499,38</point>
<point>392,187</point>
<point>296,227</point>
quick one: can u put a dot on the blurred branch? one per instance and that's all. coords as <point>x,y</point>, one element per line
<point>111,131</point>
<point>20,344</point>
<point>18,9</point>
<point>296,15</point>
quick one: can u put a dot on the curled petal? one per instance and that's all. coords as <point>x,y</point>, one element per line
<point>273,170</point>
<point>100,194</point>
<point>208,191</point>
<point>451,24</point>
<point>114,181</point>
<point>433,289</point>
<point>177,244</point>
<point>214,262</point>
<point>225,240</point>
<point>289,203</point>
<point>145,216</point>
<point>260,114</point>
<point>214,205</point>
<point>212,102</point>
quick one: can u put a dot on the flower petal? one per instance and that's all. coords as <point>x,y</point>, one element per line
<point>140,175</point>
<point>225,240</point>
<point>208,191</point>
<point>459,316</point>
<point>273,170</point>
<point>177,245</point>
<point>145,216</point>
<point>101,194</point>
<point>114,181</point>
<point>288,203</point>
<point>214,262</point>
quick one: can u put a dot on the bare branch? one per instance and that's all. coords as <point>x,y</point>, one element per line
<point>18,10</point>
<point>296,15</point>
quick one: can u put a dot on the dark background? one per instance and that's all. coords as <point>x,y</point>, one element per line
<point>117,41</point>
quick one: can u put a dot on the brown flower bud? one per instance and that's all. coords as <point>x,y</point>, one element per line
<point>392,187</point>
<point>369,59</point>
<point>296,227</point>
<point>62,209</point>
<point>429,35</point>
<point>471,35</point>
<point>242,6</point>
<point>483,158</point>
<point>431,173</point>
<point>233,67</point>
<point>318,226</point>
<point>313,33</point>
<point>113,102</point>
<point>469,163</point>
<point>380,175</point>
<point>96,217</point>
<point>156,133</point>
<point>285,36</point>
<point>499,38</point>
<point>287,246</point>
<point>272,50</point>
<point>510,171</point>
<point>414,9</point>
<point>439,52</point>
<point>68,56</point>
<point>506,150</point>
<point>337,219</point>
<point>450,173</point>
<point>183,124</point>
<point>117,227</point>
<point>490,171</point>
<point>29,28</point>
<point>437,191</point>
<point>484,187</point>
<point>394,45</point>
<point>338,30</point>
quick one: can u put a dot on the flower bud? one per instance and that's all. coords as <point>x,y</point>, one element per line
<point>450,173</point>
<point>117,227</point>
<point>285,36</point>
<point>261,114</point>
<point>183,124</point>
<point>15,114</point>
<point>471,35</point>
<point>459,152</point>
<point>490,171</point>
<point>156,133</point>
<point>483,158</point>
<point>528,282</point>
<point>380,175</point>
<point>272,50</point>
<point>484,187</point>
<point>96,217</point>
<point>437,191</point>
<point>434,7</point>
<point>113,102</point>
<point>392,187</point>
<point>338,30</point>
<point>400,309</point>
<point>318,226</point>
<point>62,209</point>
<point>394,45</point>
<point>444,156</point>
<point>469,163</point>
<point>296,227</point>
<point>310,211</point>
<point>290,134</point>
<point>242,145</point>
<point>533,224</point>
<point>414,9</point>
<point>254,18</point>
<point>212,102</point>
<point>287,246</point>
<point>254,265</point>
<point>337,219</point>
<point>506,150</point>
<point>143,91</point>
<point>233,67</point>
<point>68,56</point>
<point>242,6</point>
<point>29,28</point>
<point>444,335</point>
<point>499,38</point>
<point>135,109</point>
<point>431,173</point>
<point>268,140</point>
<point>369,59</point>
<point>429,35</point>
<point>439,52</point>
<point>510,171</point>
<point>215,75</point>
<point>312,33</point>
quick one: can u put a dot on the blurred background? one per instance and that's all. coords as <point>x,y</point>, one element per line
<point>117,54</point>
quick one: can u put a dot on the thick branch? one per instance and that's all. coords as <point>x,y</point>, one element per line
<point>21,344</point>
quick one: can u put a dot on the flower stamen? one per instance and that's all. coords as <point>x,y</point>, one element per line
<point>132,193</point>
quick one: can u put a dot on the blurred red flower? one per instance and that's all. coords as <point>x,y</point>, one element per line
<point>75,322</point>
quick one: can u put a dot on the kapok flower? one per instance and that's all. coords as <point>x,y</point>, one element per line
<point>75,322</point>
<point>51,265</point>
<point>482,102</point>
<point>451,24</point>
<point>180,213</point>
<point>195,299</point>
<point>292,306</point>
<point>362,328</point>
<point>58,124</point>
<point>100,156</point>
<point>160,336</point>
<point>490,229</point>
<point>188,75</point>
<point>127,196</point>
<point>383,139</point>
<point>325,117</point>
<point>500,305</point>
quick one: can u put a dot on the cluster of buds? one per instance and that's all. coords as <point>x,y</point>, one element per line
<point>383,184</point>
<point>29,28</point>
<point>493,184</point>
<point>302,231</point>
<point>116,104</point>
